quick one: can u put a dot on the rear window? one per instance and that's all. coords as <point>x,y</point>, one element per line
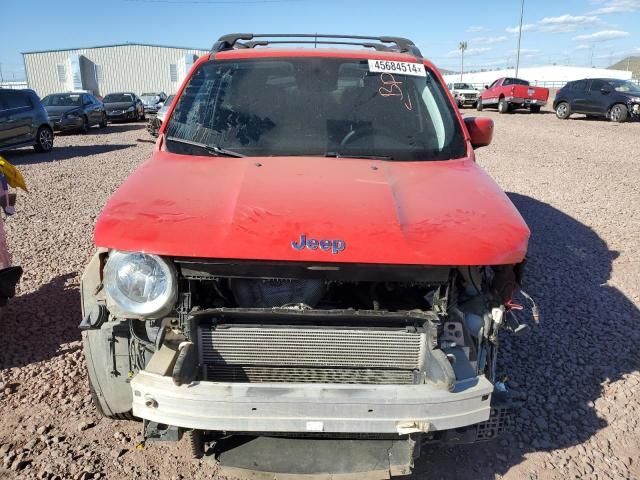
<point>514,81</point>
<point>118,98</point>
<point>14,99</point>
<point>315,106</point>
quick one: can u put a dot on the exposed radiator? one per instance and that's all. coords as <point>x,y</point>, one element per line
<point>310,355</point>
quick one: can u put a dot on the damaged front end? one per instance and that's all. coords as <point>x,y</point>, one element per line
<point>294,351</point>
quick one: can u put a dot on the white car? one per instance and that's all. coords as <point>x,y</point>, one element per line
<point>464,94</point>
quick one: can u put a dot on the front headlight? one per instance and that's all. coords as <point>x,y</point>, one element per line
<point>139,285</point>
<point>131,108</point>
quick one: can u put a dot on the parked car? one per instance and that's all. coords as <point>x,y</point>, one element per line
<point>24,121</point>
<point>74,111</point>
<point>153,101</point>
<point>510,93</point>
<point>609,98</point>
<point>464,94</point>
<point>155,122</point>
<point>342,274</point>
<point>124,106</point>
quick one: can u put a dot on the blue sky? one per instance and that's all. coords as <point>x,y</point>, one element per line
<point>579,32</point>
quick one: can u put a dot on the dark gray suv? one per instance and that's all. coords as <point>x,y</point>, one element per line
<point>24,121</point>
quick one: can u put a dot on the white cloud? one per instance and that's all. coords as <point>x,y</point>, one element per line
<point>583,47</point>
<point>601,36</point>
<point>469,52</point>
<point>560,24</point>
<point>489,40</point>
<point>476,29</point>
<point>618,6</point>
<point>526,52</point>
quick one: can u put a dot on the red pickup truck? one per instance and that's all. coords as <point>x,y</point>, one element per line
<point>510,93</point>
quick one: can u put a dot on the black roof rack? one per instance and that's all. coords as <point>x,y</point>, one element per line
<point>385,44</point>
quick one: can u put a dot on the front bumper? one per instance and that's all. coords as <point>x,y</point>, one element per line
<point>62,124</point>
<point>114,116</point>
<point>310,408</point>
<point>151,109</point>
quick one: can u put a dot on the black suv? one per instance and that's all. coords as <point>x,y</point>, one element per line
<point>24,121</point>
<point>610,98</point>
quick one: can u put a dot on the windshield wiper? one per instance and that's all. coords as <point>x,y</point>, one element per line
<point>223,152</point>
<point>368,157</point>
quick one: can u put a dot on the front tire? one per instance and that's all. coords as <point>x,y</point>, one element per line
<point>563,110</point>
<point>103,122</point>
<point>44,139</point>
<point>618,113</point>
<point>535,109</point>
<point>503,106</point>
<point>479,105</point>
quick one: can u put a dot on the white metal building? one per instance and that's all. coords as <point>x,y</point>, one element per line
<point>546,76</point>
<point>104,69</point>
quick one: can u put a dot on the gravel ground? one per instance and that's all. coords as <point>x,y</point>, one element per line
<point>576,184</point>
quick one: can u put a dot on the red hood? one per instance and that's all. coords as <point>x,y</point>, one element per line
<point>428,213</point>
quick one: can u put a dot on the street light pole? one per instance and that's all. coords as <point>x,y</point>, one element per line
<point>519,36</point>
<point>462,47</point>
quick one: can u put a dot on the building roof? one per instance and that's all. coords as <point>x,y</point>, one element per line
<point>132,44</point>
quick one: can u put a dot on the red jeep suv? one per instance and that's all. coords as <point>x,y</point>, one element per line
<point>311,261</point>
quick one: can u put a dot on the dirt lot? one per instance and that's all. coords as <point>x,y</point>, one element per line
<point>576,184</point>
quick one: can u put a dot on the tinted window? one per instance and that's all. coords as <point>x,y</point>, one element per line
<point>118,98</point>
<point>315,106</point>
<point>580,85</point>
<point>15,99</point>
<point>596,85</point>
<point>514,81</point>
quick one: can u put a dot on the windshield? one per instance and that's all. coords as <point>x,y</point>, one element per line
<point>624,86</point>
<point>150,97</point>
<point>118,98</point>
<point>315,106</point>
<point>462,86</point>
<point>62,100</point>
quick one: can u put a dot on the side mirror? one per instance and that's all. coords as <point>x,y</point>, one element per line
<point>486,87</point>
<point>480,130</point>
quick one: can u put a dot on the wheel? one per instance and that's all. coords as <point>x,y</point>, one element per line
<point>618,113</point>
<point>535,108</point>
<point>85,125</point>
<point>479,105</point>
<point>113,416</point>
<point>44,139</point>
<point>460,104</point>
<point>103,122</point>
<point>141,117</point>
<point>563,110</point>
<point>503,106</point>
<point>474,105</point>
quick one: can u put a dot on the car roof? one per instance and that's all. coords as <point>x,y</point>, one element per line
<point>270,52</point>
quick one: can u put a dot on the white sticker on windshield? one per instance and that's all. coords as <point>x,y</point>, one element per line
<point>401,68</point>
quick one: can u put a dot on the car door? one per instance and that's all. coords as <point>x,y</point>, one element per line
<point>490,95</point>
<point>90,109</point>
<point>16,120</point>
<point>578,97</point>
<point>599,97</point>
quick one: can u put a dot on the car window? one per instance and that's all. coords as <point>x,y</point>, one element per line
<point>16,99</point>
<point>495,82</point>
<point>315,106</point>
<point>625,86</point>
<point>597,84</point>
<point>580,85</point>
<point>62,100</point>
<point>118,98</point>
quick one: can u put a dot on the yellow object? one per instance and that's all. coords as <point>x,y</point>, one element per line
<point>12,174</point>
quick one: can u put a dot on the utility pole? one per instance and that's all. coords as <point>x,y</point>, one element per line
<point>1,77</point>
<point>519,36</point>
<point>462,47</point>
